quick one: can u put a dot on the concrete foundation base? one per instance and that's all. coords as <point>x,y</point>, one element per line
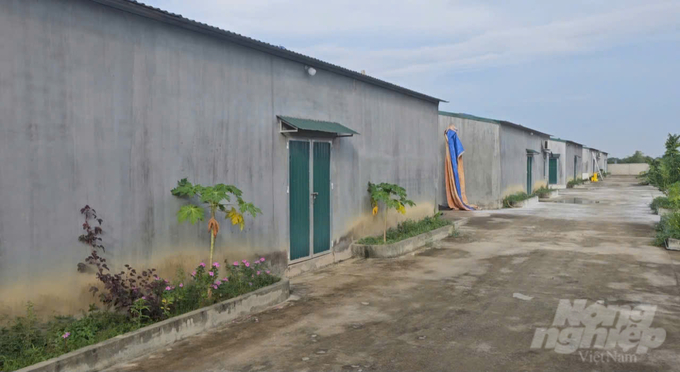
<point>318,262</point>
<point>673,244</point>
<point>402,247</point>
<point>526,203</point>
<point>553,194</point>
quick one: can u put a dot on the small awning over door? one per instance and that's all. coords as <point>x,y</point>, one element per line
<point>532,152</point>
<point>318,127</point>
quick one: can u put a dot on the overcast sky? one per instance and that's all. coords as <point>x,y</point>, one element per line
<point>602,73</point>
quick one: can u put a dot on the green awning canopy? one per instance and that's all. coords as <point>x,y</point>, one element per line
<point>327,127</point>
<point>531,152</point>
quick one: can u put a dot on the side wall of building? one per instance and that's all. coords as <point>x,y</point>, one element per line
<point>586,163</point>
<point>559,151</point>
<point>481,160</point>
<point>514,145</point>
<point>110,109</point>
<point>574,161</point>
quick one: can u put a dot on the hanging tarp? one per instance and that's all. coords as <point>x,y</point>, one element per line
<point>455,174</point>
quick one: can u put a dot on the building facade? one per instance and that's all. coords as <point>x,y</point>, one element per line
<point>557,163</point>
<point>524,158</point>
<point>109,103</point>
<point>574,160</point>
<point>501,158</point>
<point>482,158</point>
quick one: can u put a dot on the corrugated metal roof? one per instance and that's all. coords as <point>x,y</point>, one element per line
<point>521,127</point>
<point>494,121</point>
<point>317,125</point>
<point>160,15</point>
<point>468,116</point>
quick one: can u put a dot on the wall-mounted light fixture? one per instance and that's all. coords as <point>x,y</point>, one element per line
<point>310,70</point>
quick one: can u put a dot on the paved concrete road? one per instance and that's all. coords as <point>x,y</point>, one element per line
<point>451,307</point>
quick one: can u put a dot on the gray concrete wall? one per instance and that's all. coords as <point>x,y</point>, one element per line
<point>560,148</point>
<point>627,169</point>
<point>110,109</point>
<point>586,163</point>
<point>602,161</point>
<point>514,145</point>
<point>573,150</point>
<point>481,160</point>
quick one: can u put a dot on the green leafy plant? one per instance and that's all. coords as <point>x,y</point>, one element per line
<point>668,227</point>
<point>509,200</point>
<point>407,229</point>
<point>576,182</point>
<point>542,192</point>
<point>218,198</point>
<point>664,172</point>
<point>27,340</point>
<point>139,311</point>
<point>390,196</point>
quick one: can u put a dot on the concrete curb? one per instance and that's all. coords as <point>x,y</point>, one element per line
<point>526,203</point>
<point>402,247</point>
<point>551,195</point>
<point>144,340</point>
<point>673,244</point>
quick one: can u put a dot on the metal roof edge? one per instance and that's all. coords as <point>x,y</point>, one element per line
<point>160,15</point>
<point>461,115</point>
<point>575,143</point>
<point>522,127</point>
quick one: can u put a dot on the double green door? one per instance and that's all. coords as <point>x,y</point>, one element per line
<point>530,163</point>
<point>309,167</point>
<point>552,171</point>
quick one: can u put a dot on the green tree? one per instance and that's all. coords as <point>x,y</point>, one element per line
<point>391,196</point>
<point>218,198</point>
<point>665,171</point>
<point>672,145</point>
<point>636,158</point>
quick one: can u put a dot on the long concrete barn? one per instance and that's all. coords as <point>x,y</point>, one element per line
<point>565,162</point>
<point>109,103</point>
<point>501,158</point>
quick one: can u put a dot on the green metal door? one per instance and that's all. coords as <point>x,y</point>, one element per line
<point>322,196</point>
<point>298,170</point>
<point>530,160</point>
<point>552,172</point>
<point>575,167</point>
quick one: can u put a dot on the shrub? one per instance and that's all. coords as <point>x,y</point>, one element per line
<point>668,227</point>
<point>665,171</point>
<point>27,341</point>
<point>542,192</point>
<point>663,202</point>
<point>407,229</point>
<point>575,182</point>
<point>509,200</point>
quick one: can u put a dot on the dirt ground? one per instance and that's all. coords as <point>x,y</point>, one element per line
<point>451,306</point>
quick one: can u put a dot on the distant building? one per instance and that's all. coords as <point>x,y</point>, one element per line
<point>500,158</point>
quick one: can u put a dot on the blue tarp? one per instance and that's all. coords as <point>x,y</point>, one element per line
<point>455,151</point>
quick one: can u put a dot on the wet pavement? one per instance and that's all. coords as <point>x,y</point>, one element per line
<point>472,302</point>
